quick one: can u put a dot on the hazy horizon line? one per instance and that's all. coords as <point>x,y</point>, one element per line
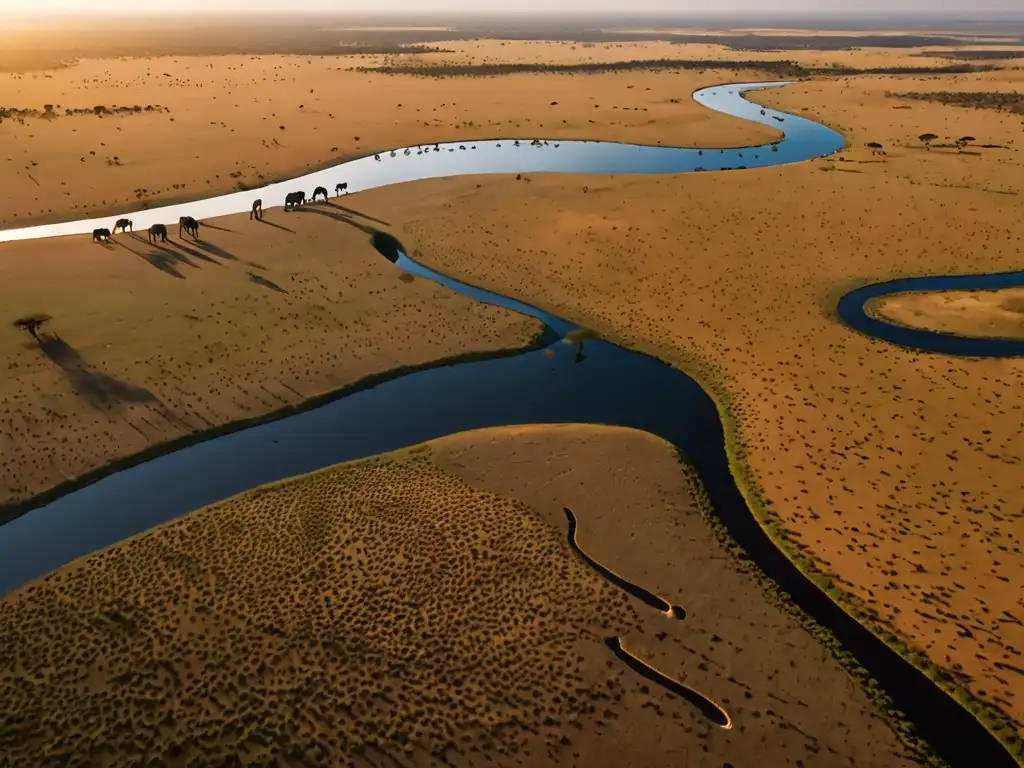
<point>419,14</point>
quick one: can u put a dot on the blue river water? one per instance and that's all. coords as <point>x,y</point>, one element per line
<point>606,384</point>
<point>851,311</point>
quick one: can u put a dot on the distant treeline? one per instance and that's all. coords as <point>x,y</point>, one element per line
<point>787,68</point>
<point>1000,100</point>
<point>783,68</point>
<point>386,49</point>
<point>50,112</point>
<point>973,55</point>
<point>951,69</point>
<point>752,42</point>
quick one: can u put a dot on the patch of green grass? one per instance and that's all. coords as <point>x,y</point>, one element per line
<point>577,335</point>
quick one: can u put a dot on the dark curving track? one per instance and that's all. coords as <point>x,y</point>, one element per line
<point>851,311</point>
<point>645,596</point>
<point>527,388</point>
<point>704,705</point>
<point>707,707</point>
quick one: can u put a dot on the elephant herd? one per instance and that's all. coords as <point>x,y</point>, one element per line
<point>294,199</point>
<point>186,224</point>
<point>190,226</point>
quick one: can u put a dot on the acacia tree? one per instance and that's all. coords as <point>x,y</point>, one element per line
<point>32,323</point>
<point>963,141</point>
<point>927,139</point>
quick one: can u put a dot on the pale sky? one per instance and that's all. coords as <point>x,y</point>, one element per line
<point>421,7</point>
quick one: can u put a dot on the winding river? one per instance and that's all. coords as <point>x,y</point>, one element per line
<point>851,311</point>
<point>611,386</point>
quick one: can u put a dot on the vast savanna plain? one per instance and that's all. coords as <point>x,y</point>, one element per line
<point>893,477</point>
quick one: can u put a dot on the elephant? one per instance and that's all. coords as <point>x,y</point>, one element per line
<point>189,225</point>
<point>320,191</point>
<point>100,235</point>
<point>294,199</point>
<point>343,187</point>
<point>125,225</point>
<point>158,230</point>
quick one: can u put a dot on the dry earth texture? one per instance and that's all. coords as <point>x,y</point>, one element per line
<point>896,474</point>
<point>149,343</point>
<point>998,314</point>
<point>424,604</point>
<point>209,125</point>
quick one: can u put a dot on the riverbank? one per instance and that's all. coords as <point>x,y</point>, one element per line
<point>153,345</point>
<point>451,529</point>
<point>212,125</point>
<point>845,446</point>
<point>995,314</point>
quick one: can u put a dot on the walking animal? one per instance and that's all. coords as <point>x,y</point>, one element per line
<point>190,225</point>
<point>294,199</point>
<point>320,191</point>
<point>125,225</point>
<point>158,230</point>
<point>100,235</point>
<point>257,210</point>
<point>343,187</point>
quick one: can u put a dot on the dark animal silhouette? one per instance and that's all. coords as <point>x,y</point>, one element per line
<point>158,230</point>
<point>294,199</point>
<point>320,191</point>
<point>189,225</point>
<point>100,235</point>
<point>125,225</point>
<point>257,210</point>
<point>343,187</point>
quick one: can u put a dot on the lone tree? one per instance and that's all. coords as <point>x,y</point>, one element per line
<point>963,141</point>
<point>874,145</point>
<point>32,324</point>
<point>927,139</point>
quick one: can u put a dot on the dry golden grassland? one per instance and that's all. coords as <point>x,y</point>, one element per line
<point>158,342</point>
<point>149,343</point>
<point>425,604</point>
<point>897,473</point>
<point>222,123</point>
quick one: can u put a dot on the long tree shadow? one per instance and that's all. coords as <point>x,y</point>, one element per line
<point>261,280</point>
<point>276,226</point>
<point>343,218</point>
<point>354,212</point>
<point>100,389</point>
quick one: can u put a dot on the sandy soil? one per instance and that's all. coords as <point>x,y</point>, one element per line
<point>998,314</point>
<point>150,343</point>
<point>899,473</point>
<point>426,602</point>
<point>221,123</point>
